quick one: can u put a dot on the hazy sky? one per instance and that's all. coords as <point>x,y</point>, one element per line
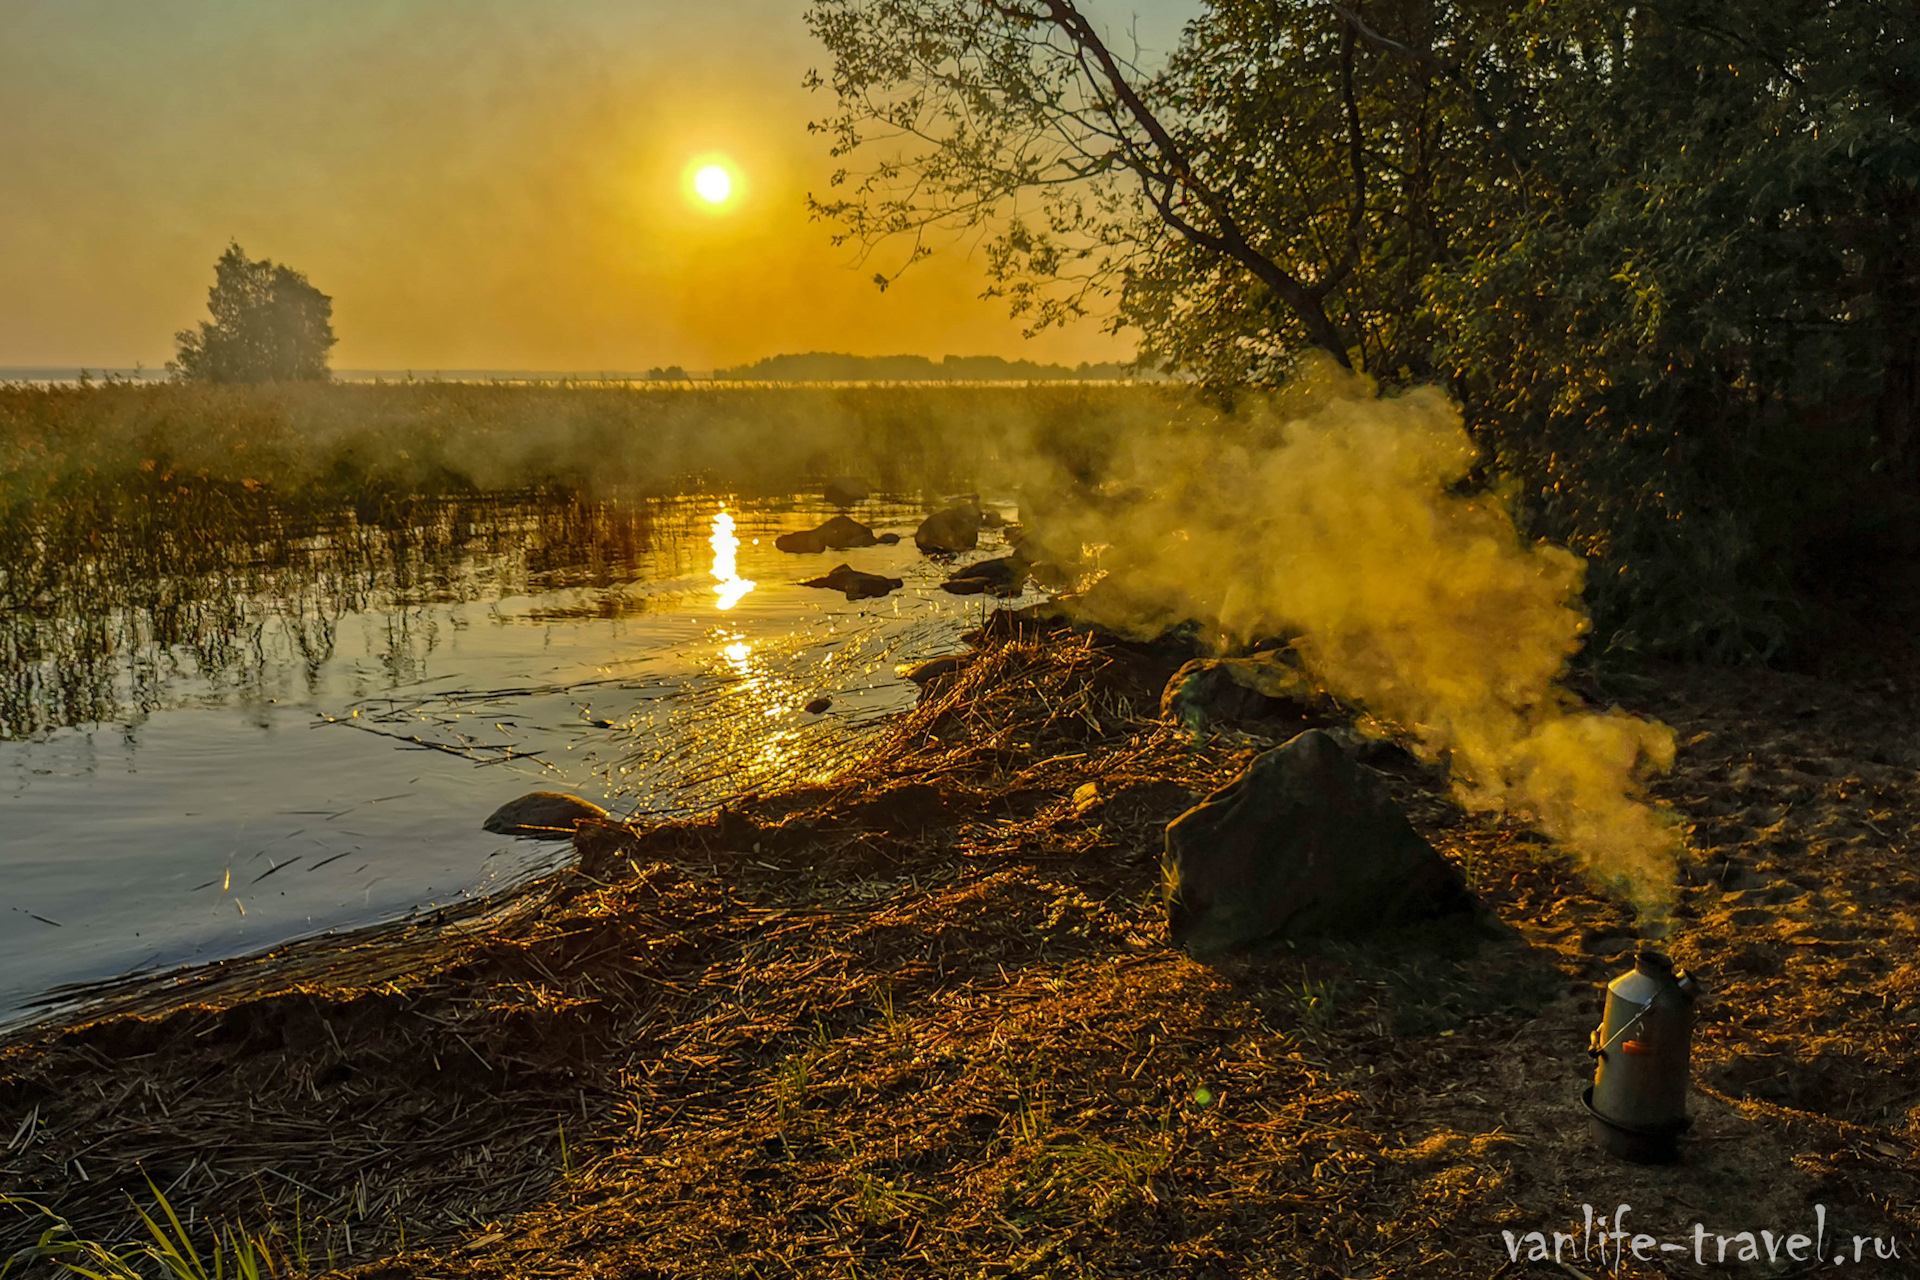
<point>477,183</point>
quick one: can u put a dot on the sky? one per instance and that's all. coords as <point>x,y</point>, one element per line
<point>478,184</point>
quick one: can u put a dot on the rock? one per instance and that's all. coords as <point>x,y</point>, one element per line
<point>818,706</point>
<point>988,575</point>
<point>1304,843</point>
<point>887,539</point>
<point>1228,689</point>
<point>844,491</point>
<point>955,529</point>
<point>925,673</point>
<point>857,585</point>
<point>542,815</point>
<point>1376,753</point>
<point>836,534</point>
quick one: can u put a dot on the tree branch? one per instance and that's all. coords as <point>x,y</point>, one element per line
<point>1448,71</point>
<point>1229,239</point>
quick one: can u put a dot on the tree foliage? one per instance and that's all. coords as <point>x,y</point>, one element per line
<point>1665,252</point>
<point>269,325</point>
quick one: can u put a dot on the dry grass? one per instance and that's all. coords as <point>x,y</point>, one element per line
<point>923,1022</point>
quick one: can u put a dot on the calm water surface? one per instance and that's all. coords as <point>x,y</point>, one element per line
<point>224,728</point>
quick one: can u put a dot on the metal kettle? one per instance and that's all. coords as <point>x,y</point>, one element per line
<point>1642,1053</point>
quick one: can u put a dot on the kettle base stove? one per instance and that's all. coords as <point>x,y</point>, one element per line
<point>1642,1053</point>
<point>1639,1144</point>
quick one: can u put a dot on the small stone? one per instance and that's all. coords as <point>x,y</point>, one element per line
<point>542,815</point>
<point>925,673</point>
<point>857,585</point>
<point>836,534</point>
<point>955,529</point>
<point>988,576</point>
<point>818,706</point>
<point>1229,689</point>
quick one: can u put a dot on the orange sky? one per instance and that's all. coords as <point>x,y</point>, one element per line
<point>477,183</point>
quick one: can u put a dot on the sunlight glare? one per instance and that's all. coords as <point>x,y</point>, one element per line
<point>731,585</point>
<point>713,183</point>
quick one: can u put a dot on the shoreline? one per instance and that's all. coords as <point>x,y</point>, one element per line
<point>319,955</point>
<point>924,1019</point>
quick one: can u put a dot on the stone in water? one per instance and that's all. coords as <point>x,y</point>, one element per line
<point>542,815</point>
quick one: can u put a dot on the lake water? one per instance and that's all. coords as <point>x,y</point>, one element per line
<point>221,730</point>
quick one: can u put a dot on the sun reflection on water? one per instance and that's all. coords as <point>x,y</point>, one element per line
<point>731,586</point>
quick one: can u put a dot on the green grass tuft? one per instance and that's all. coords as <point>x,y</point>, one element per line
<point>232,1252</point>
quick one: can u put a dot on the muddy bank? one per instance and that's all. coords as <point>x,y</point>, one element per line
<point>924,1021</point>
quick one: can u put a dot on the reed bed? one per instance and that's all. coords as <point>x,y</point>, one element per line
<point>368,443</point>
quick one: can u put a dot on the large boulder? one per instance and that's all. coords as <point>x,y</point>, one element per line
<point>836,534</point>
<point>1304,843</point>
<point>542,815</point>
<point>857,585</point>
<point>955,529</point>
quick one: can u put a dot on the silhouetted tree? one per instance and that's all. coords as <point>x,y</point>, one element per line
<point>269,325</point>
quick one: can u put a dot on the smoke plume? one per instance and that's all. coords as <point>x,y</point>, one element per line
<point>1343,520</point>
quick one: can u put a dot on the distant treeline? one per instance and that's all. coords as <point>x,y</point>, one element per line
<point>832,366</point>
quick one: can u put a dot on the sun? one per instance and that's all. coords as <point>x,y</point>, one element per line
<point>713,184</point>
